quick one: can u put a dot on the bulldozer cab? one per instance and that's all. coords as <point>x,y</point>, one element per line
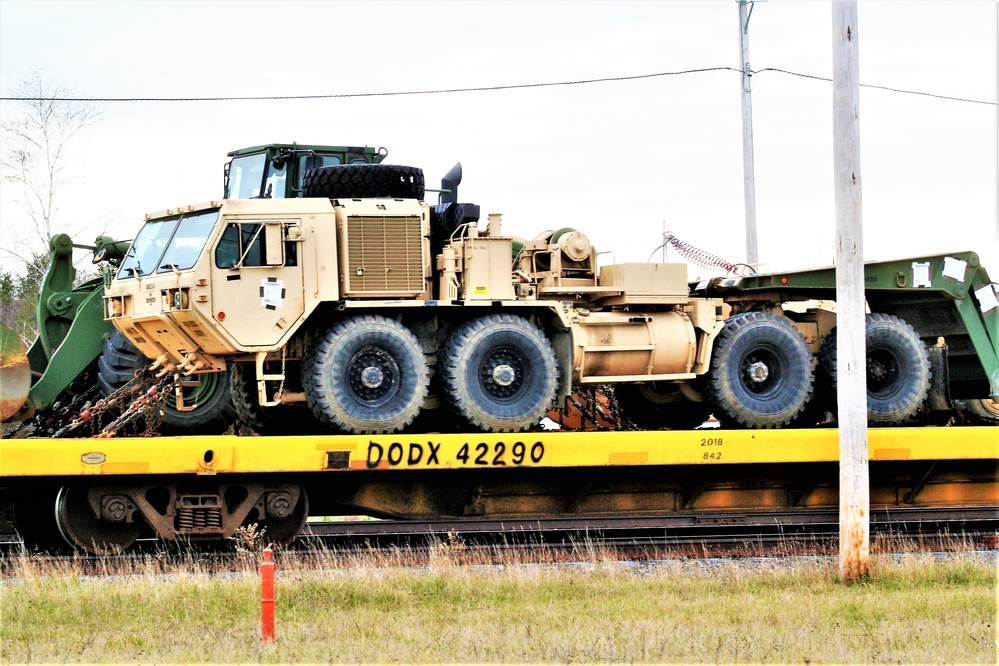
<point>276,170</point>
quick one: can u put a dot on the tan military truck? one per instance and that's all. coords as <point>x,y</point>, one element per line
<point>368,305</point>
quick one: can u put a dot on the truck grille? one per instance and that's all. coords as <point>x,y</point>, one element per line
<point>384,256</point>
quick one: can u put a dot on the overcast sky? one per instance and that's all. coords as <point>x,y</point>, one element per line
<point>615,160</point>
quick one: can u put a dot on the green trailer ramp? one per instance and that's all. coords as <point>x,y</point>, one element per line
<point>948,296</point>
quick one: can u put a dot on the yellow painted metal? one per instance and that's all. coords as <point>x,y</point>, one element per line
<point>347,453</point>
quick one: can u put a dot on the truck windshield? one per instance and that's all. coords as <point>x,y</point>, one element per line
<point>246,175</point>
<point>171,243</point>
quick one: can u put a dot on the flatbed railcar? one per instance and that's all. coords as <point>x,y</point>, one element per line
<point>101,495</point>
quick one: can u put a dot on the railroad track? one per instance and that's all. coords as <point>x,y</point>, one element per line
<point>680,532</point>
<point>573,539</point>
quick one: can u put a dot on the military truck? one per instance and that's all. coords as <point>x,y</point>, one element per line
<point>360,306</point>
<point>61,365</point>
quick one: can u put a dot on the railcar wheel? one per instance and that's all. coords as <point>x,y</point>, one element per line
<point>292,419</point>
<point>35,521</point>
<point>984,411</point>
<point>499,373</point>
<point>213,412</point>
<point>656,405</point>
<point>280,529</point>
<point>367,374</point>
<point>108,533</point>
<point>898,370</point>
<point>761,374</point>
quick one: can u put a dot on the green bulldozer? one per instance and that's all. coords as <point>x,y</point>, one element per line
<point>78,353</point>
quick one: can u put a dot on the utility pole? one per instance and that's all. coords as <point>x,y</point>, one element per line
<point>748,170</point>
<point>851,366</point>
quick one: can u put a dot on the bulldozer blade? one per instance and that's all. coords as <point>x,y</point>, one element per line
<point>15,373</point>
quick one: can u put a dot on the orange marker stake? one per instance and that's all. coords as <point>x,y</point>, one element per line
<point>267,597</point>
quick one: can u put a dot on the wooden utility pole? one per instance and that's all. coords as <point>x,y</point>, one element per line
<point>851,370</point>
<point>748,169</point>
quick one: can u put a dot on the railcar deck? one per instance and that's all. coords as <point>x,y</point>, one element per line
<point>223,454</point>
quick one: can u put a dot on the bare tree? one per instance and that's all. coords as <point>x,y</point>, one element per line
<point>35,157</point>
<point>35,149</point>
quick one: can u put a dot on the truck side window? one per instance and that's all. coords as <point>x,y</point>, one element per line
<point>274,186</point>
<point>238,237</point>
<point>227,251</point>
<point>311,161</point>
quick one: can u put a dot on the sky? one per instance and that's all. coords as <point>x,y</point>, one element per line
<point>621,161</point>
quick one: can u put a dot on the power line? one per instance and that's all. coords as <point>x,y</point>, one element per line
<point>868,85</point>
<point>442,91</point>
<point>445,91</point>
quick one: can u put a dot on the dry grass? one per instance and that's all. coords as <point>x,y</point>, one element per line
<point>379,607</point>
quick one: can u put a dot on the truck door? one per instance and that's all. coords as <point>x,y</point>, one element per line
<point>257,290</point>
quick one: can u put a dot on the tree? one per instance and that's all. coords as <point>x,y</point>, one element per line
<point>35,149</point>
<point>35,158</point>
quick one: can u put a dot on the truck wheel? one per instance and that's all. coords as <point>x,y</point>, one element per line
<point>898,370</point>
<point>656,405</point>
<point>761,371</point>
<point>499,373</point>
<point>984,411</point>
<point>364,180</point>
<point>293,419</point>
<point>367,374</point>
<point>214,412</point>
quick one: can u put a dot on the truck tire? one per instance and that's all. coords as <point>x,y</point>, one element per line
<point>499,373</point>
<point>364,180</point>
<point>366,375</point>
<point>898,370</point>
<point>294,419</point>
<point>761,372</point>
<point>984,411</point>
<point>214,414</point>
<point>657,405</point>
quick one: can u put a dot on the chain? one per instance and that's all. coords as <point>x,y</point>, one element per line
<point>141,397</point>
<point>284,357</point>
<point>596,408</point>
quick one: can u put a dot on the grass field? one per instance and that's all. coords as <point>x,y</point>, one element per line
<point>913,609</point>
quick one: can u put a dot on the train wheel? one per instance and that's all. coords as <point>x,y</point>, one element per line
<point>898,370</point>
<point>499,373</point>
<point>213,413</point>
<point>35,521</point>
<point>761,374</point>
<point>108,533</point>
<point>656,405</point>
<point>293,419</point>
<point>283,523</point>
<point>984,411</point>
<point>366,375</point>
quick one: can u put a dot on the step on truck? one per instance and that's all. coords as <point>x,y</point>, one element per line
<point>360,308</point>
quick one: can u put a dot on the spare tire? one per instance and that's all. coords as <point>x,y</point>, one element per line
<point>358,181</point>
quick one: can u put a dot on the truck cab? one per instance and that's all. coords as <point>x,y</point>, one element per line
<point>276,170</point>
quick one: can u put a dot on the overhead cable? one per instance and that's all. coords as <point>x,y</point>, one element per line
<point>444,91</point>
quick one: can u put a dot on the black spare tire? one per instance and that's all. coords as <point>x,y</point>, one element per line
<point>364,180</point>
